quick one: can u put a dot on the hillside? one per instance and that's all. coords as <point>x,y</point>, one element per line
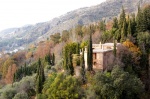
<point>109,60</point>
<point>31,33</point>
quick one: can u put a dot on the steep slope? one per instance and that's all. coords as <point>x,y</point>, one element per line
<point>86,15</point>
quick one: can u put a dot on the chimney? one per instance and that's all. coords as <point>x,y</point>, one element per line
<point>100,44</point>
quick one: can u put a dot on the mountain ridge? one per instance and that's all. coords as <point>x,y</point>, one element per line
<point>82,16</point>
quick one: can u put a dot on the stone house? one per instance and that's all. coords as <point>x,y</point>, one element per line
<point>103,56</point>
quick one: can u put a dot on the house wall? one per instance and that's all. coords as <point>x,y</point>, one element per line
<point>108,60</point>
<point>103,61</point>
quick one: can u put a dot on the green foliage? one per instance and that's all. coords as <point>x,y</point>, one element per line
<point>90,54</point>
<point>21,95</point>
<point>115,23</point>
<point>78,48</point>
<point>102,25</point>
<point>65,36</point>
<point>143,19</point>
<point>62,87</point>
<point>117,85</point>
<point>143,39</point>
<point>55,38</point>
<point>82,65</point>
<point>107,36</point>
<point>40,77</point>
<point>68,50</point>
<point>83,44</point>
<point>23,88</point>
<point>129,28</point>
<point>48,59</point>
<point>8,94</point>
<point>122,18</point>
<point>25,71</point>
<point>124,31</point>
<point>78,30</point>
<point>115,49</point>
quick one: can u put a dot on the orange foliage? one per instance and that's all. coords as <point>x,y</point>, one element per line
<point>29,55</point>
<point>133,48</point>
<point>43,49</point>
<point>10,73</point>
<point>136,53</point>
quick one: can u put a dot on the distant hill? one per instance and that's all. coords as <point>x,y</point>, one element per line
<point>31,33</point>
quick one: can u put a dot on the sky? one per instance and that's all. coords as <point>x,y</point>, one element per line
<point>17,13</point>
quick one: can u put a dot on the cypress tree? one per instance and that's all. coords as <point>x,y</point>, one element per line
<point>90,54</point>
<point>48,59</point>
<point>129,28</point>
<point>70,64</point>
<point>83,68</point>
<point>123,31</point>
<point>114,50</point>
<point>40,78</point>
<point>25,69</point>
<point>133,25</point>
<point>122,18</point>
<point>138,20</point>
<point>147,15</point>
<point>115,23</point>
<point>78,48</point>
<point>102,26</point>
<point>53,59</point>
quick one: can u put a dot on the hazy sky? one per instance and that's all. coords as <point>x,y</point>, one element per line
<point>16,13</point>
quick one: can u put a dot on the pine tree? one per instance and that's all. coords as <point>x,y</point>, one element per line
<point>90,54</point>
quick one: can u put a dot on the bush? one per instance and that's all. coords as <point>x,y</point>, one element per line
<point>21,95</point>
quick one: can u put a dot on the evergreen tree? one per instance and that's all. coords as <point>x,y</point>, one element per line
<point>68,50</point>
<point>133,25</point>
<point>115,23</point>
<point>141,21</point>
<point>70,64</point>
<point>102,26</point>
<point>53,59</point>
<point>78,48</point>
<point>146,12</point>
<point>122,18</point>
<point>25,69</point>
<point>40,78</point>
<point>114,50</point>
<point>129,28</point>
<point>123,31</point>
<point>48,59</point>
<point>83,74</point>
<point>90,54</point>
